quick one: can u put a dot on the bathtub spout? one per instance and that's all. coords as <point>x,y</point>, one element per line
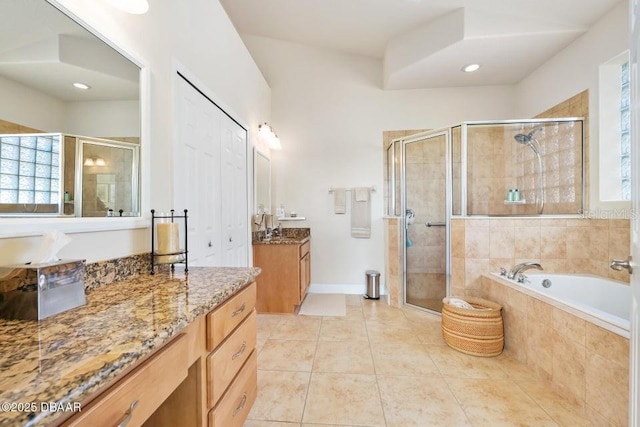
<point>519,268</point>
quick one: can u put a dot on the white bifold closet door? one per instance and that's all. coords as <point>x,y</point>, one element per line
<point>210,179</point>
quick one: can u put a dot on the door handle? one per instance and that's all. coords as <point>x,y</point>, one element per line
<point>619,264</point>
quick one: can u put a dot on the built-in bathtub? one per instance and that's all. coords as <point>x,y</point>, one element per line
<point>575,334</point>
<point>601,301</point>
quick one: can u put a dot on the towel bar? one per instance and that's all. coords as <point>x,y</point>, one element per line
<point>372,189</point>
<point>435,224</point>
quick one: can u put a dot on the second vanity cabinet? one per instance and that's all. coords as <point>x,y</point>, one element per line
<point>286,274</point>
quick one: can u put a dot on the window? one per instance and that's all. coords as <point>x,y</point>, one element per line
<point>625,136</point>
<point>30,169</point>
<point>614,130</point>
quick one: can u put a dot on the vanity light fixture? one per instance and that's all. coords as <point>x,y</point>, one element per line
<point>266,133</point>
<point>470,68</point>
<point>136,7</point>
<point>98,161</point>
<point>83,86</point>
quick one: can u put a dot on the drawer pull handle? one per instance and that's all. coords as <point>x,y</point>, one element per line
<point>239,353</point>
<point>238,311</point>
<point>241,405</point>
<point>127,415</point>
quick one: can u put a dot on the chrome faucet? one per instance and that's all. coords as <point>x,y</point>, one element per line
<point>519,268</point>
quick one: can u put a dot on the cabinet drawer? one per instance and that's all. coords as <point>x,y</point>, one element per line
<point>235,405</point>
<point>305,248</point>
<point>225,318</point>
<point>141,392</point>
<point>224,363</point>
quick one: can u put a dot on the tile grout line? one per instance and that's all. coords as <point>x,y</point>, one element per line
<point>535,401</point>
<point>315,352</point>
<point>375,372</point>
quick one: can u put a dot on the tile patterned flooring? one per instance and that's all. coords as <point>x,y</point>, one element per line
<point>384,366</point>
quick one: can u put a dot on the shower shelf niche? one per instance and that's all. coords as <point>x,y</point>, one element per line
<point>515,202</point>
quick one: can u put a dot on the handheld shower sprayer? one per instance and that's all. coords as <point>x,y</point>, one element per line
<point>529,141</point>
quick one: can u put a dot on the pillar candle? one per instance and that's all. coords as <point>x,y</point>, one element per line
<point>168,238</point>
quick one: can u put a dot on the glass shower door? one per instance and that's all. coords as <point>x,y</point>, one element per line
<point>425,213</point>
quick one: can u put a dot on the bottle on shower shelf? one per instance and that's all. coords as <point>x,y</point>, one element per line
<point>516,195</point>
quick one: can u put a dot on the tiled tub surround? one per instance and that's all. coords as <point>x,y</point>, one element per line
<point>582,246</point>
<point>68,357</point>
<point>580,359</point>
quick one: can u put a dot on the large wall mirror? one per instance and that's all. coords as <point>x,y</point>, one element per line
<point>262,182</point>
<point>69,120</point>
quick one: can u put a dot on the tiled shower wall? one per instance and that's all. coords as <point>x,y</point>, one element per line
<point>496,162</point>
<point>583,246</point>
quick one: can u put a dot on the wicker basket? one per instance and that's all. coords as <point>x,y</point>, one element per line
<point>477,332</point>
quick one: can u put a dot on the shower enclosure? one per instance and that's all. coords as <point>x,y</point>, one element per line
<point>477,169</point>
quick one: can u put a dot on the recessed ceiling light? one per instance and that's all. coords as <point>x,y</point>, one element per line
<point>82,86</point>
<point>136,7</point>
<point>471,68</point>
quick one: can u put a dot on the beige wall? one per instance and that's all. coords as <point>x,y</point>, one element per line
<point>9,127</point>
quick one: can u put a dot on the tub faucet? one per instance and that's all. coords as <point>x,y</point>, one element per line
<point>519,268</point>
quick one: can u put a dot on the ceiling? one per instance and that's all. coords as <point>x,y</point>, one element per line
<point>425,43</point>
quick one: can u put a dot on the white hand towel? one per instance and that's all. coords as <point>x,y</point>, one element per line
<point>456,302</point>
<point>362,194</point>
<point>339,200</point>
<point>360,215</point>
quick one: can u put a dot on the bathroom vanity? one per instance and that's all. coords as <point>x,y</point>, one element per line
<point>163,350</point>
<point>285,262</point>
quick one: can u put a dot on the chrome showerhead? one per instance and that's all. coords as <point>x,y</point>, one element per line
<point>526,139</point>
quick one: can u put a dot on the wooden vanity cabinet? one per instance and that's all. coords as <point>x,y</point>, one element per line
<point>285,276</point>
<point>305,268</point>
<point>134,398</point>
<point>207,375</point>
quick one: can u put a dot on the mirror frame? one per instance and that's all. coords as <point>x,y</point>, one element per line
<point>35,226</point>
<point>256,154</point>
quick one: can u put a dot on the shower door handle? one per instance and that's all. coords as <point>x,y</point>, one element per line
<point>435,224</point>
<point>619,264</point>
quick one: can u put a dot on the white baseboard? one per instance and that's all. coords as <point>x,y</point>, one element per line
<point>349,289</point>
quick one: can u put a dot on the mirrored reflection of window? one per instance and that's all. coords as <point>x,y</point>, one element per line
<point>30,173</point>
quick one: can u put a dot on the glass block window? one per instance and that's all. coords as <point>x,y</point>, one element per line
<point>625,137</point>
<point>30,168</point>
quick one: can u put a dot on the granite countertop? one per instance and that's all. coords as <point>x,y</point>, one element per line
<point>282,241</point>
<point>64,359</point>
<point>290,236</point>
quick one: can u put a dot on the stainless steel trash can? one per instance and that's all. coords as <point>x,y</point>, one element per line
<point>373,284</point>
